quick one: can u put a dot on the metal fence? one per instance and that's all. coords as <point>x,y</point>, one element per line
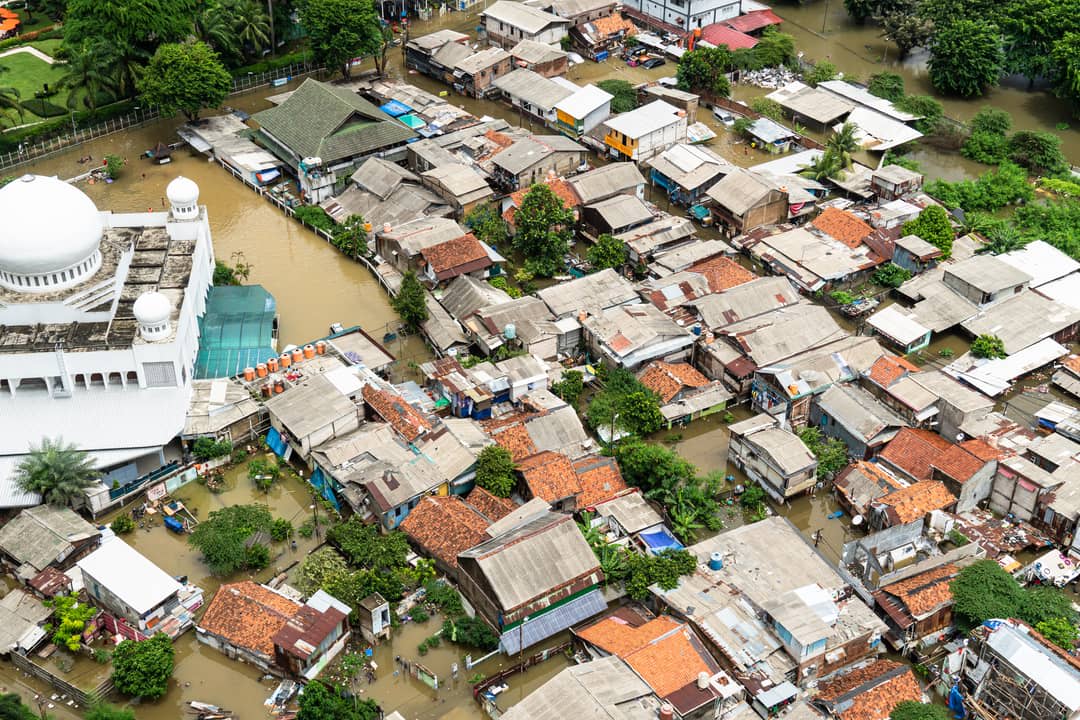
<point>63,140</point>
<point>243,83</point>
<point>86,698</point>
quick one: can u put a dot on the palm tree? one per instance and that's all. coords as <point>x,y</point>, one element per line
<point>57,471</point>
<point>684,523</point>
<point>842,143</point>
<point>826,166</point>
<point>235,28</point>
<point>1002,238</point>
<point>214,26</point>
<point>89,73</point>
<point>251,24</point>
<point>9,100</point>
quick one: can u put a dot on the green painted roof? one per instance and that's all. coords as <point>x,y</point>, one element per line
<point>332,123</point>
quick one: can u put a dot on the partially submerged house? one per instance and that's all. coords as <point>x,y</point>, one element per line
<point>533,581</point>
<point>744,199</point>
<point>542,58</point>
<point>687,171</point>
<point>685,394</point>
<point>534,94</point>
<point>772,456</point>
<point>580,112</point>
<point>899,329</point>
<point>862,482</point>
<point>443,527</point>
<point>854,416</point>
<point>629,336</point>
<point>529,161</point>
<point>604,687</point>
<point>508,23</point>
<point>459,185</point>
<point>910,504</point>
<point>642,133</point>
<point>321,132</point>
<point>868,692</point>
<point>45,537</point>
<point>566,485</point>
<point>917,607</point>
<point>607,181</point>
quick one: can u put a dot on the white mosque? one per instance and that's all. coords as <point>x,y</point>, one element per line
<point>98,326</point>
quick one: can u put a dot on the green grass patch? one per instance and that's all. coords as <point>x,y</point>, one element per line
<point>28,75</point>
<point>40,20</point>
<point>49,46</point>
<point>44,108</point>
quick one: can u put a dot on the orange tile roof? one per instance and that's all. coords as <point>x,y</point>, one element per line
<point>550,476</point>
<point>926,591</point>
<point>612,24</point>
<point>913,502</point>
<point>887,369</point>
<point>723,273</point>
<point>914,451</point>
<point>958,464</point>
<point>248,615</point>
<point>517,440</point>
<point>599,479</point>
<point>668,379</point>
<point>1072,363</point>
<point>982,449</point>
<point>491,506</point>
<point>616,636</point>
<point>668,664</point>
<point>873,690</point>
<point>843,226</point>
<point>455,253</point>
<point>445,527</point>
<point>391,407</point>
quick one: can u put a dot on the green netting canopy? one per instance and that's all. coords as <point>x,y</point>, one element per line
<point>237,330</point>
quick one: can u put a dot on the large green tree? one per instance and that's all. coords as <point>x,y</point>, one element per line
<point>57,471</point>
<point>142,669</point>
<point>495,470</point>
<point>607,252</point>
<point>932,225</point>
<point>966,57</point>
<point>351,236</point>
<point>12,708</point>
<point>89,73</point>
<point>906,29</point>
<point>411,303</point>
<point>223,536</point>
<point>1066,57</point>
<point>322,702</point>
<point>888,85</point>
<point>341,30</point>
<point>703,70</point>
<point>236,28</point>
<point>774,48</point>
<point>1039,152</point>
<point>185,77</point>
<point>831,453</point>
<point>910,710</point>
<point>544,229</point>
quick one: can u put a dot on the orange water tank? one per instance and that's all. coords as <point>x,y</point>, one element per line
<point>249,374</point>
<point>320,347</point>
<point>286,359</point>
<point>297,355</point>
<point>272,364</point>
<point>279,387</point>
<point>309,352</point>
<point>260,370</point>
<point>266,390</point>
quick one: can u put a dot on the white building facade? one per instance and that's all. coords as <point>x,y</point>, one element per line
<point>98,325</point>
<point>688,14</point>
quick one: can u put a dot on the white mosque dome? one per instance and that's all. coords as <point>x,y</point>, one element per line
<point>182,191</point>
<point>152,308</point>
<point>50,233</point>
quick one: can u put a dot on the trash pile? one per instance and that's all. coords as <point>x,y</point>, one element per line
<point>769,78</point>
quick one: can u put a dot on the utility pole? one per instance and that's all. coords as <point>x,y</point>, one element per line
<point>270,10</point>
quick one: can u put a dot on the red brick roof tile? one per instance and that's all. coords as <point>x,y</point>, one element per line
<point>926,591</point>
<point>599,478</point>
<point>913,502</point>
<point>873,690</point>
<point>614,635</point>
<point>445,527</point>
<point>455,254</point>
<point>958,464</point>
<point>887,369</point>
<point>516,439</point>
<point>612,24</point>
<point>843,226</point>
<point>723,273</point>
<point>1072,363</point>
<point>755,20</point>
<point>668,379</point>
<point>391,407</point>
<point>550,476</point>
<point>492,507</point>
<point>914,451</point>
<point>982,449</point>
<point>248,615</point>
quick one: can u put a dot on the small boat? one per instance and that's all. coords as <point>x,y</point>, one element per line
<point>699,133</point>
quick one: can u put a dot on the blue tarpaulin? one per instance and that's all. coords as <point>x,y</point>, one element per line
<point>275,443</point>
<point>323,484</point>
<point>393,108</point>
<point>659,540</point>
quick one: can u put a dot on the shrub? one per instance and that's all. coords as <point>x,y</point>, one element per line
<point>113,164</point>
<point>207,448</point>
<point>142,669</point>
<point>891,276</point>
<point>495,470</point>
<point>281,530</point>
<point>769,108</point>
<point>469,631</point>
<point>419,614</point>
<point>257,556</point>
<point>624,96</point>
<point>887,85</point>
<point>988,346</point>
<point>314,216</point>
<point>122,524</point>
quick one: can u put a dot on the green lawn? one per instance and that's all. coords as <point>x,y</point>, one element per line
<point>28,75</point>
<point>49,47</point>
<point>41,20</point>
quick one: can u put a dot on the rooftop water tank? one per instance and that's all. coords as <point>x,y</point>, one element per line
<point>716,561</point>
<point>510,331</point>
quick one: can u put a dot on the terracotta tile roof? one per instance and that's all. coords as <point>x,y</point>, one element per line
<point>982,449</point>
<point>925,592</point>
<point>516,439</point>
<point>550,476</point>
<point>248,615</point>
<point>863,481</point>
<point>668,379</point>
<point>913,502</point>
<point>843,226</point>
<point>305,631</point>
<point>616,636</point>
<point>391,407</point>
<point>445,527</point>
<point>490,506</point>
<point>612,24</point>
<point>873,690</point>
<point>465,250</point>
<point>914,451</point>
<point>1072,363</point>
<point>723,273</point>
<point>958,464</point>
<point>599,479</point>
<point>668,664</point>
<point>887,369</point>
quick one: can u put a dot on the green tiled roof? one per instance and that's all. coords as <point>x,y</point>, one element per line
<point>320,120</point>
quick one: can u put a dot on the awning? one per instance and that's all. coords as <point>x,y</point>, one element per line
<point>552,622</point>
<point>268,175</point>
<point>412,121</point>
<point>393,108</point>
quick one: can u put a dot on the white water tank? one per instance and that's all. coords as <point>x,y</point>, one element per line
<point>702,680</point>
<point>510,331</point>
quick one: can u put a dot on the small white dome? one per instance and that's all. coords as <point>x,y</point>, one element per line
<point>152,308</point>
<point>182,191</point>
<point>48,226</point>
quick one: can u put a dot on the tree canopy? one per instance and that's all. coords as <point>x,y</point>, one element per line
<point>888,85</point>
<point>625,404</point>
<point>321,702</point>
<point>910,710</point>
<point>185,77</point>
<point>142,669</point>
<point>12,708</point>
<point>57,471</point>
<point>607,252</point>
<point>364,546</point>
<point>222,537</point>
<point>988,346</point>
<point>544,229</point>
<point>966,57</point>
<point>624,97</point>
<point>932,225</point>
<point>495,470</point>
<point>703,70</point>
<point>341,30</point>
<point>831,453</point>
<point>410,303</point>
